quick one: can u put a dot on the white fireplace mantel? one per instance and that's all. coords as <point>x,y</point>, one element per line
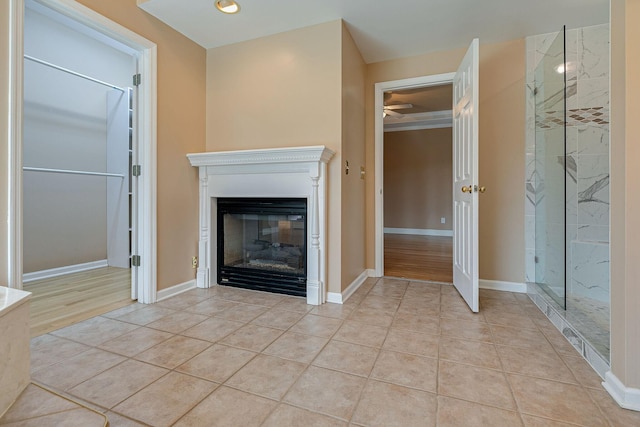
<point>275,172</point>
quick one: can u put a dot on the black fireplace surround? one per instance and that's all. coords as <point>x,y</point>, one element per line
<point>262,244</point>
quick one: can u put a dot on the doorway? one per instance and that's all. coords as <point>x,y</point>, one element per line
<point>418,207</point>
<point>465,169</point>
<point>78,145</point>
<point>414,233</point>
<point>143,211</point>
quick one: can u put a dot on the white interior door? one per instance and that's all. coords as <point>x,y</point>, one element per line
<point>465,177</point>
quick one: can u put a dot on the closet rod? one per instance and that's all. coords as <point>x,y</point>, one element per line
<point>66,70</point>
<point>72,172</point>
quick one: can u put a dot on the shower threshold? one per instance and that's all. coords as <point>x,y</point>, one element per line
<point>594,348</point>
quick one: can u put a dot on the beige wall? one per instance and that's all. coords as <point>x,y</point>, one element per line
<point>353,187</point>
<point>4,137</point>
<point>418,179</point>
<point>282,90</point>
<point>502,165</point>
<point>502,72</point>
<point>302,87</point>
<point>277,91</point>
<point>625,200</point>
<point>181,130</point>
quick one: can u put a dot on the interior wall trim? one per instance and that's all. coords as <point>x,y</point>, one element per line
<point>626,397</point>
<point>418,231</point>
<point>380,88</point>
<point>499,285</point>
<point>407,127</point>
<point>14,153</point>
<point>341,297</point>
<point>61,271</point>
<point>496,285</point>
<point>176,289</point>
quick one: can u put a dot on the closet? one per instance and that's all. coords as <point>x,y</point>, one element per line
<point>79,143</point>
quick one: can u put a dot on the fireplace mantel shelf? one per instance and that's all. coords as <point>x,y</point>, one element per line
<point>315,153</point>
<point>273,172</point>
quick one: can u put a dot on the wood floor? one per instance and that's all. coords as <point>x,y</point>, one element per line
<point>419,257</point>
<point>65,300</point>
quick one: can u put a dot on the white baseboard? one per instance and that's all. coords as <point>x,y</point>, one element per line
<point>175,290</point>
<point>341,297</point>
<point>334,297</point>
<point>626,397</point>
<point>418,231</point>
<point>61,271</point>
<point>498,285</point>
<point>372,273</point>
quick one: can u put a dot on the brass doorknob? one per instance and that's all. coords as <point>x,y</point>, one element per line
<point>482,189</point>
<point>466,189</point>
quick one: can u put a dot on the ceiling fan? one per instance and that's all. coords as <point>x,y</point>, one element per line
<point>391,110</point>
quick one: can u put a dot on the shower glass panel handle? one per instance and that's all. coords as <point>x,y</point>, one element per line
<point>551,170</point>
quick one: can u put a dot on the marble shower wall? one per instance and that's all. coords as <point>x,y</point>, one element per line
<point>587,165</point>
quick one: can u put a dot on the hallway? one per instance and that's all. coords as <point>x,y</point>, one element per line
<point>427,258</point>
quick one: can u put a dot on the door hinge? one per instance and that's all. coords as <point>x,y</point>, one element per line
<point>136,79</point>
<point>135,260</point>
<point>136,170</point>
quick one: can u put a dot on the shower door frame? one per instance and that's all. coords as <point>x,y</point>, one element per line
<point>561,300</point>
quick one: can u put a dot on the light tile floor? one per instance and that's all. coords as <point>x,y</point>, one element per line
<point>397,353</point>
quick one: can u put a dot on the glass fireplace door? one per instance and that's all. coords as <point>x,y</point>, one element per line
<point>262,244</point>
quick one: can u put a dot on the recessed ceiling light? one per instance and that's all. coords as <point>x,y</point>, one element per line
<point>227,6</point>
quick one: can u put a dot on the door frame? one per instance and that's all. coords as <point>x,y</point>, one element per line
<point>145,115</point>
<point>380,88</point>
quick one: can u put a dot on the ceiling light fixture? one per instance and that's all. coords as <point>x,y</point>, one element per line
<point>227,6</point>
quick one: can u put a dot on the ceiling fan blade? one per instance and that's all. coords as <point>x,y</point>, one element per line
<point>393,113</point>
<point>398,106</point>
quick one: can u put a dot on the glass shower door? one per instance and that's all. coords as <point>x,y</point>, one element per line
<point>551,169</point>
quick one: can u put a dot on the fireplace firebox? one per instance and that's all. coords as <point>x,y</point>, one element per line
<point>262,244</point>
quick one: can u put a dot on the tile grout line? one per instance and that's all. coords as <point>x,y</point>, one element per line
<point>379,350</point>
<point>576,384</point>
<point>341,320</point>
<point>583,388</point>
<point>507,379</point>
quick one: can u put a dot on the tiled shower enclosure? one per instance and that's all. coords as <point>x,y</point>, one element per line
<point>567,182</point>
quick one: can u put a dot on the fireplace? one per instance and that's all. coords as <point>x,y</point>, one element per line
<point>262,244</point>
<point>289,173</point>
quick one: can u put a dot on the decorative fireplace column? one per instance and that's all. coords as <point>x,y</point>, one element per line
<point>277,172</point>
